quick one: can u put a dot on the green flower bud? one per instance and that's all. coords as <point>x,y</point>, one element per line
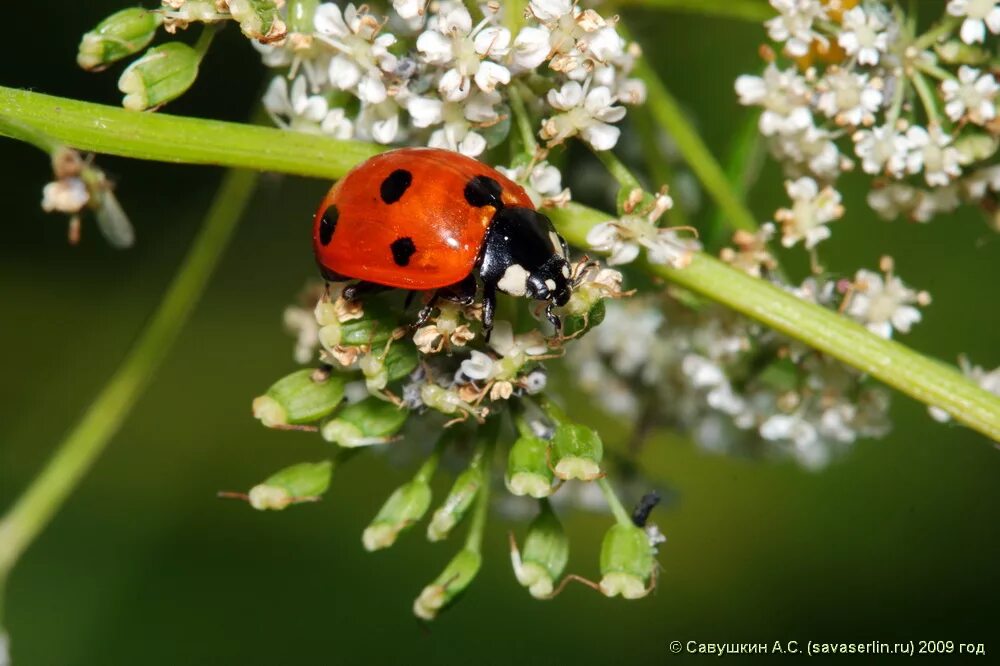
<point>120,35</point>
<point>576,323</point>
<point>301,397</point>
<point>405,506</point>
<point>545,554</point>
<point>395,364</point>
<point>258,19</point>
<point>163,74</point>
<point>452,582</point>
<point>373,328</point>
<point>976,147</point>
<point>627,562</point>
<point>457,503</point>
<point>301,15</point>
<point>528,471</point>
<point>957,52</point>
<point>576,452</point>
<point>371,421</point>
<point>303,482</point>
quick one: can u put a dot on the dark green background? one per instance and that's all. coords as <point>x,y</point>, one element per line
<point>898,541</point>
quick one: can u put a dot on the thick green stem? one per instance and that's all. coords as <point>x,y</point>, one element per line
<point>754,11</point>
<point>36,507</point>
<point>920,377</point>
<point>170,139</point>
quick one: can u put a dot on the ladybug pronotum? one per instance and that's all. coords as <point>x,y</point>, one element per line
<point>429,219</point>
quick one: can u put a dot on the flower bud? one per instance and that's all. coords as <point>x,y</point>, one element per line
<point>457,503</point>
<point>303,482</point>
<point>301,397</point>
<point>259,19</point>
<point>957,52</point>
<point>975,147</point>
<point>452,581</point>
<point>627,562</point>
<point>119,35</point>
<point>577,323</point>
<point>395,364</point>
<point>371,421</point>
<point>405,506</point>
<point>163,74</point>
<point>545,554</point>
<point>576,452</point>
<point>372,328</point>
<point>528,472</point>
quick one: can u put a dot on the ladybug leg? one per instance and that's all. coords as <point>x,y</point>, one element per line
<point>489,308</point>
<point>425,312</point>
<point>463,293</point>
<point>552,316</point>
<point>354,292</point>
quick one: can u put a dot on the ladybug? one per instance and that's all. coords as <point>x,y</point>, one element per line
<point>429,219</point>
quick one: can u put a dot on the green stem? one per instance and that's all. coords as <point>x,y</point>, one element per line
<point>920,377</point>
<point>743,10</point>
<point>947,24</point>
<point>158,136</point>
<point>742,169</point>
<point>36,507</point>
<point>668,113</point>
<point>657,165</point>
<point>524,128</point>
<point>617,510</point>
<point>927,98</point>
<point>621,173</point>
<point>205,39</point>
<point>155,136</point>
<point>477,528</point>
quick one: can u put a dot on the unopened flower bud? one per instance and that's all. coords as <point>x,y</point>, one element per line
<point>957,52</point>
<point>452,581</point>
<point>545,554</point>
<point>301,397</point>
<point>975,147</point>
<point>457,503</point>
<point>373,328</point>
<point>163,74</point>
<point>371,421</point>
<point>405,506</point>
<point>528,472</point>
<point>395,364</point>
<point>118,36</point>
<point>576,452</point>
<point>627,562</point>
<point>259,19</point>
<point>303,482</point>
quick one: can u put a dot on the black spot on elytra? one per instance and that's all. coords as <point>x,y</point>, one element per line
<point>483,191</point>
<point>328,224</point>
<point>395,185</point>
<point>402,249</point>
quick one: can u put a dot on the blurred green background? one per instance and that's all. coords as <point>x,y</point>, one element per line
<point>897,541</point>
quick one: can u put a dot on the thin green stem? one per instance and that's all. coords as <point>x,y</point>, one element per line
<point>615,504</point>
<point>84,443</point>
<point>621,173</point>
<point>947,25</point>
<point>920,377</point>
<point>477,528</point>
<point>668,113</point>
<point>524,128</point>
<point>426,471</point>
<point>927,98</point>
<point>754,11</point>
<point>205,39</point>
<point>656,161</point>
<point>155,136</point>
<point>158,136</point>
<point>742,169</point>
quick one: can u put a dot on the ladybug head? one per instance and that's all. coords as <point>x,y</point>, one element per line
<point>523,256</point>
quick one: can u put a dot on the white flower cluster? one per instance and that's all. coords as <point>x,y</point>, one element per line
<point>433,73</point>
<point>730,386</point>
<point>857,86</point>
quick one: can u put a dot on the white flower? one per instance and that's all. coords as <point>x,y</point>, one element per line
<point>863,34</point>
<point>518,348</point>
<point>575,39</point>
<point>363,52</point>
<point>812,209</point>
<point>784,96</point>
<point>849,98</point>
<point>458,121</point>
<point>882,150</point>
<point>299,111</point>
<point>585,113</point>
<point>931,151</point>
<point>68,195</point>
<point>897,199</point>
<point>379,122</point>
<point>409,9</point>
<point>986,179</point>
<point>477,367</point>
<point>622,238</point>
<point>884,305</point>
<point>542,182</point>
<point>972,96</point>
<point>466,52</point>
<point>979,15</point>
<point>794,26</point>
<point>813,150</point>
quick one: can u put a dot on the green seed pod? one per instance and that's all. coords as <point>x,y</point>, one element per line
<point>576,452</point>
<point>258,19</point>
<point>457,503</point>
<point>627,562</point>
<point>452,582</point>
<point>371,421</point>
<point>405,506</point>
<point>297,483</point>
<point>397,363</point>
<point>528,472</point>
<point>574,324</point>
<point>545,554</point>
<point>163,74</point>
<point>301,397</point>
<point>957,52</point>
<point>120,35</point>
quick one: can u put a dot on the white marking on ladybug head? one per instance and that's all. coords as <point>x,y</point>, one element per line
<point>557,244</point>
<point>565,271</point>
<point>514,281</point>
<point>551,284</point>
